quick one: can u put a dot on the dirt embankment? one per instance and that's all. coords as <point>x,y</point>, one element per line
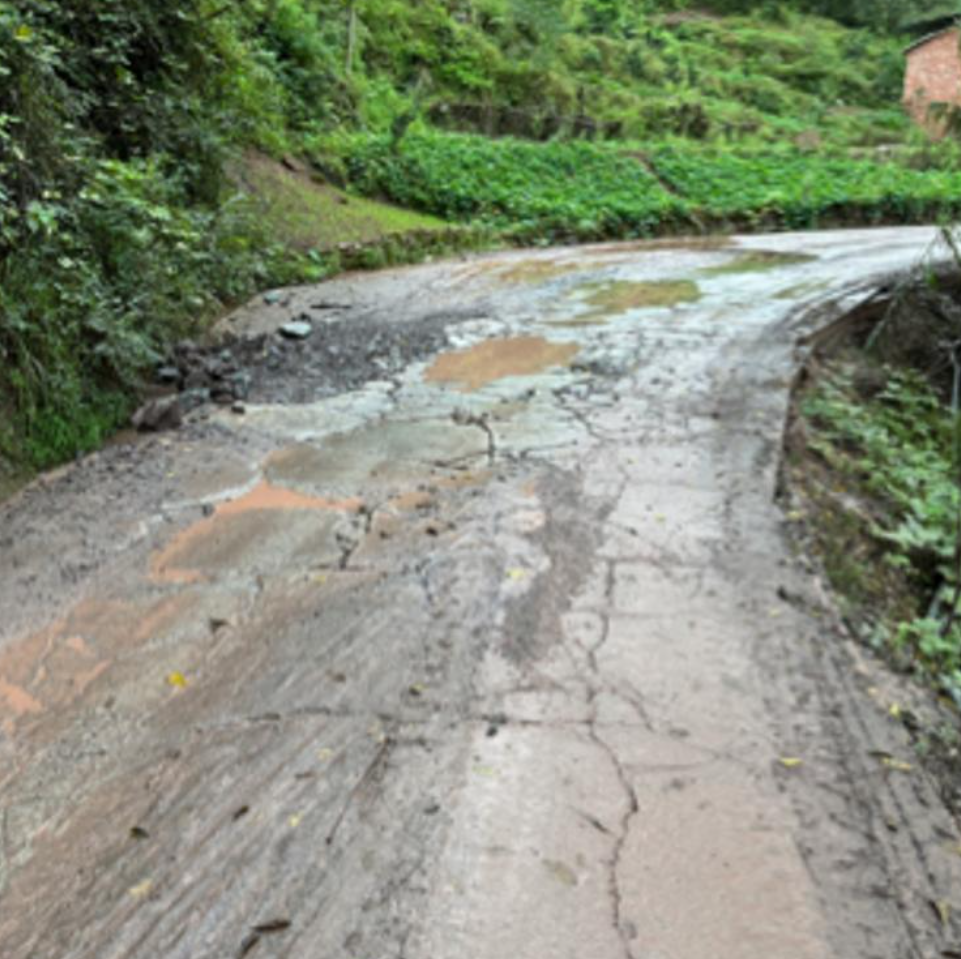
<point>870,487</point>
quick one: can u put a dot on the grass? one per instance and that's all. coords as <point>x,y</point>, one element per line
<point>311,215</point>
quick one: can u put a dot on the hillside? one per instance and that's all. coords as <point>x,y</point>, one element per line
<point>128,220</point>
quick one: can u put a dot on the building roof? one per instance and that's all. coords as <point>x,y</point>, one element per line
<point>937,19</point>
<point>952,24</point>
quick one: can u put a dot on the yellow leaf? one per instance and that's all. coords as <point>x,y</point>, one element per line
<point>177,680</point>
<point>23,32</point>
<point>516,574</point>
<point>895,711</point>
<point>325,755</point>
<point>561,872</point>
<point>944,912</point>
<point>660,518</point>
<point>485,771</point>
<point>789,762</point>
<point>142,890</point>
<point>896,765</point>
<point>320,579</point>
<point>294,820</point>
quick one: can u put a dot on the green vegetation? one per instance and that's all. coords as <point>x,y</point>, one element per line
<point>800,190</point>
<point>885,490</point>
<point>140,190</point>
<point>561,189</point>
<point>596,191</point>
<point>314,216</point>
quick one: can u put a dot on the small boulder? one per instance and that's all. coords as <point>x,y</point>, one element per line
<point>163,413</point>
<point>296,330</point>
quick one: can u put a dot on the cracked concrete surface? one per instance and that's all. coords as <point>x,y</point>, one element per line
<point>484,662</point>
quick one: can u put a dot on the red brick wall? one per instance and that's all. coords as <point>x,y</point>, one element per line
<point>933,75</point>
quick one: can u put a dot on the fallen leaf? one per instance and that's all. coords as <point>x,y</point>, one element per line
<point>177,680</point>
<point>321,578</point>
<point>943,911</point>
<point>485,771</point>
<point>895,711</point>
<point>295,820</point>
<point>789,762</point>
<point>516,574</point>
<point>138,832</point>
<point>142,890</point>
<point>561,871</point>
<point>325,755</point>
<point>896,764</point>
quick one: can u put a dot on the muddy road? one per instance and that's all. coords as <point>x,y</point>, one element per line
<point>476,636</point>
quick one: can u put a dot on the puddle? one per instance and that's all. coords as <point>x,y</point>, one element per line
<point>245,527</point>
<point>536,271</point>
<point>495,360</point>
<point>694,244</point>
<point>394,455</point>
<point>757,261</point>
<point>265,496</point>
<point>622,296</point>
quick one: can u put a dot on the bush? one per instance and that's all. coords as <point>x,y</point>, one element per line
<point>555,190</point>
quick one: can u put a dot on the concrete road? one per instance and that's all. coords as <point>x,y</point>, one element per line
<point>469,640</point>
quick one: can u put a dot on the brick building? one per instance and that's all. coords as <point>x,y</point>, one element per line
<point>933,74</point>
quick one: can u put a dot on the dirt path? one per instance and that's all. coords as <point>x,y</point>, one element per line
<point>476,637</point>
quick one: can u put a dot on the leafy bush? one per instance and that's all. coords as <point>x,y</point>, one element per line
<point>802,189</point>
<point>99,289</point>
<point>897,449</point>
<point>556,190</point>
<point>565,189</point>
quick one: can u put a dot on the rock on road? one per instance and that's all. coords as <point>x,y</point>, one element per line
<point>480,655</point>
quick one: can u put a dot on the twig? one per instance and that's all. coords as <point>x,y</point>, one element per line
<point>379,758</point>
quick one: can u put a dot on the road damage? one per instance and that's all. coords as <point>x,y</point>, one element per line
<point>487,645</point>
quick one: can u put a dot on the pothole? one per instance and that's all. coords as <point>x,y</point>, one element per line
<point>622,296</point>
<point>499,359</point>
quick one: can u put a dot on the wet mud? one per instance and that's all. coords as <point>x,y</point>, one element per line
<point>496,360</point>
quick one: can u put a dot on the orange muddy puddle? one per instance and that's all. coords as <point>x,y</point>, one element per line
<point>496,360</point>
<point>266,496</point>
<point>234,528</point>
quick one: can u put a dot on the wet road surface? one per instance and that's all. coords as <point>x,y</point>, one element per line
<point>481,654</point>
